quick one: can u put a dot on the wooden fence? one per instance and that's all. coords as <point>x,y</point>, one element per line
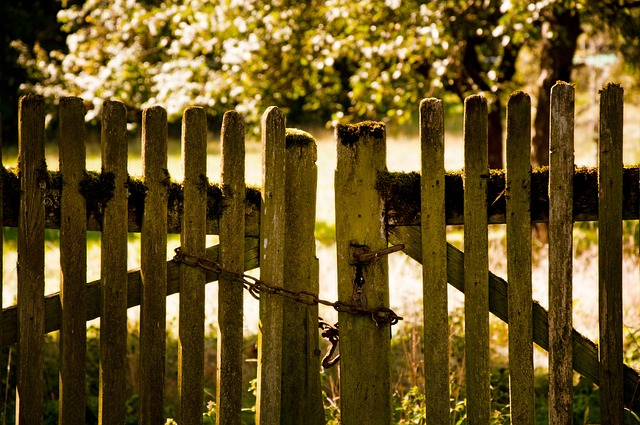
<point>274,229</point>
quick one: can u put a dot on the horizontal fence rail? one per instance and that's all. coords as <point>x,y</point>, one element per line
<point>401,191</point>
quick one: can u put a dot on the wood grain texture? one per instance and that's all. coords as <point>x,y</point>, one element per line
<point>230,293</point>
<point>301,386</point>
<point>434,261</point>
<point>365,389</point>
<point>73,264</point>
<point>476,261</point>
<point>192,279</point>
<point>153,268</point>
<point>272,234</point>
<point>113,321</point>
<point>518,194</point>
<point>610,254</point>
<point>561,165</point>
<point>31,162</point>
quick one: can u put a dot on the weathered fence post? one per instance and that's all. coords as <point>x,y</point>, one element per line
<point>301,387</point>
<point>610,254</point>
<point>230,292</point>
<point>73,264</point>
<point>192,279</point>
<point>518,216</point>
<point>272,231</point>
<point>561,166</point>
<point>153,267</point>
<point>434,261</point>
<point>33,174</point>
<point>113,321</point>
<point>476,261</point>
<point>365,389</point>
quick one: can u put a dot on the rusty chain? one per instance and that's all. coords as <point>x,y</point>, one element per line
<point>255,287</point>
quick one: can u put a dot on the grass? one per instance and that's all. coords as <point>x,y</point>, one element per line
<point>405,280</point>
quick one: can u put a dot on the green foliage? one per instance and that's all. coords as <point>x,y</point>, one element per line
<point>412,409</point>
<point>325,232</point>
<point>319,60</point>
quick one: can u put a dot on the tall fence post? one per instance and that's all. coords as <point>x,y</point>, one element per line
<point>561,166</point>
<point>434,261</point>
<point>113,321</point>
<point>518,216</point>
<point>272,231</point>
<point>365,388</point>
<point>610,254</point>
<point>73,264</point>
<point>230,293</point>
<point>301,386</point>
<point>153,268</point>
<point>192,279</point>
<point>33,172</point>
<point>476,261</point>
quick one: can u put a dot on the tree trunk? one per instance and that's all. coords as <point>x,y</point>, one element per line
<point>560,34</point>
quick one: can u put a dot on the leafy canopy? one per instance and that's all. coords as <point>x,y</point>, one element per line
<point>318,60</point>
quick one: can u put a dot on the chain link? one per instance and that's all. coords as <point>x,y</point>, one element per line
<point>256,287</point>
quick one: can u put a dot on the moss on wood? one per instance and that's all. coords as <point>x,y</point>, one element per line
<point>137,194</point>
<point>253,197</point>
<point>98,188</point>
<point>214,202</point>
<point>401,192</point>
<point>349,134</point>
<point>296,137</point>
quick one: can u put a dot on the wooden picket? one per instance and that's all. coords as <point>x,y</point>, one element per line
<point>272,249</point>
<point>31,162</point>
<point>113,271</point>
<point>73,264</point>
<point>476,261</point>
<point>610,254</point>
<point>434,261</point>
<point>153,269</point>
<point>561,164</point>
<point>365,387</point>
<point>230,294</point>
<point>518,194</point>
<point>301,387</point>
<point>276,233</point>
<point>192,279</point>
